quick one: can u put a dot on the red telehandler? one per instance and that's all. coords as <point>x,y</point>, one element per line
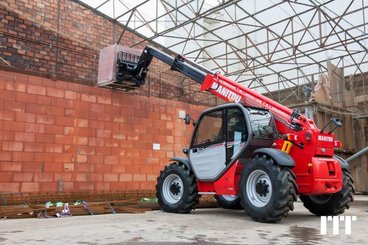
<point>252,153</point>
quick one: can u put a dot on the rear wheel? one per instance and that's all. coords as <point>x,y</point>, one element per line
<point>228,201</point>
<point>176,189</point>
<point>267,190</point>
<point>331,205</point>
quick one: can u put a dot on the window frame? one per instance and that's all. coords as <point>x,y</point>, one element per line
<point>223,128</point>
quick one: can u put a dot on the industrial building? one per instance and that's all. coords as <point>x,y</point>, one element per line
<point>65,136</point>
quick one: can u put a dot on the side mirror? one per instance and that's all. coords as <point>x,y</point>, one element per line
<point>187,119</point>
<point>185,151</point>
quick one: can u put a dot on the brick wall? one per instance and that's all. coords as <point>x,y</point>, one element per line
<point>61,39</point>
<point>62,136</point>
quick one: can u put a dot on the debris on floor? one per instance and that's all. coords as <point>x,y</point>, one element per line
<point>60,209</point>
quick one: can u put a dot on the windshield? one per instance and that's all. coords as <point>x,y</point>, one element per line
<point>261,123</point>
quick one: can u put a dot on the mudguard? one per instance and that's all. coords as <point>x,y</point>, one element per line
<point>280,157</point>
<point>343,163</point>
<point>182,160</point>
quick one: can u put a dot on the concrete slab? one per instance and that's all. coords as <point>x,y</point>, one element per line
<point>203,226</point>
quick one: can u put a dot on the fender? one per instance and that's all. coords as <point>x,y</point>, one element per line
<point>280,157</point>
<point>182,160</point>
<point>343,163</point>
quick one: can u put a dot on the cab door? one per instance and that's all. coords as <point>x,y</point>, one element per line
<point>207,153</point>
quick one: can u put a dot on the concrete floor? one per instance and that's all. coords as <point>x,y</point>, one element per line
<point>202,226</point>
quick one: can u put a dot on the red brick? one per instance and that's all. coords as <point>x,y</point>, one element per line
<point>7,135</point>
<point>33,147</point>
<point>14,106</point>
<point>111,177</point>
<point>23,177</point>
<point>132,185</point>
<point>71,95</point>
<point>69,112</point>
<point>69,186</point>
<point>82,158</point>
<point>63,139</point>
<point>11,166</point>
<point>102,168</point>
<point>118,168</point>
<point>68,167</point>
<point>151,177</point>
<point>6,176</point>
<point>111,160</point>
<point>64,158</point>
<point>139,177</point>
<point>45,138</point>
<point>23,156</point>
<point>117,186</point>
<point>102,186</point>
<point>33,89</point>
<point>84,186</point>
<point>85,167</point>
<point>96,177</point>
<point>12,146</point>
<point>53,167</point>
<point>54,129</point>
<point>83,123</point>
<point>125,177</point>
<point>43,100</point>
<point>55,92</point>
<point>33,167</point>
<point>49,187</point>
<point>103,133</point>
<point>35,128</point>
<point>43,177</point>
<point>7,115</point>
<point>5,156</point>
<point>147,185</point>
<point>45,119</point>
<point>9,187</point>
<point>30,187</point>
<point>14,126</point>
<point>36,109</point>
<point>104,100</point>
<point>7,95</point>
<point>25,137</point>
<point>63,176</point>
<point>88,98</point>
<point>82,177</point>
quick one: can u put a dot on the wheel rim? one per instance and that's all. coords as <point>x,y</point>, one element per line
<point>320,199</point>
<point>230,198</point>
<point>259,188</point>
<point>172,188</point>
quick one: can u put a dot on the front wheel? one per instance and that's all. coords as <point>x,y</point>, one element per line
<point>334,204</point>
<point>176,189</point>
<point>267,190</point>
<point>228,201</point>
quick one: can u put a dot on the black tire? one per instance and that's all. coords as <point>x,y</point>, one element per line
<point>179,194</point>
<point>269,197</point>
<point>331,205</point>
<point>228,202</point>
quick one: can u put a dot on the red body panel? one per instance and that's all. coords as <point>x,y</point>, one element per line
<point>227,184</point>
<point>317,172</point>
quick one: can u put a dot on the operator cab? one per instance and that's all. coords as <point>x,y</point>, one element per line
<point>225,134</point>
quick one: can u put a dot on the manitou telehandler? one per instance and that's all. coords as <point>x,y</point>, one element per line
<point>253,153</point>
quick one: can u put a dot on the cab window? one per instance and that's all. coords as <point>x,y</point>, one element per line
<point>210,130</point>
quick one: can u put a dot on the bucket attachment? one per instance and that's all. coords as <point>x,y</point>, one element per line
<point>117,68</point>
